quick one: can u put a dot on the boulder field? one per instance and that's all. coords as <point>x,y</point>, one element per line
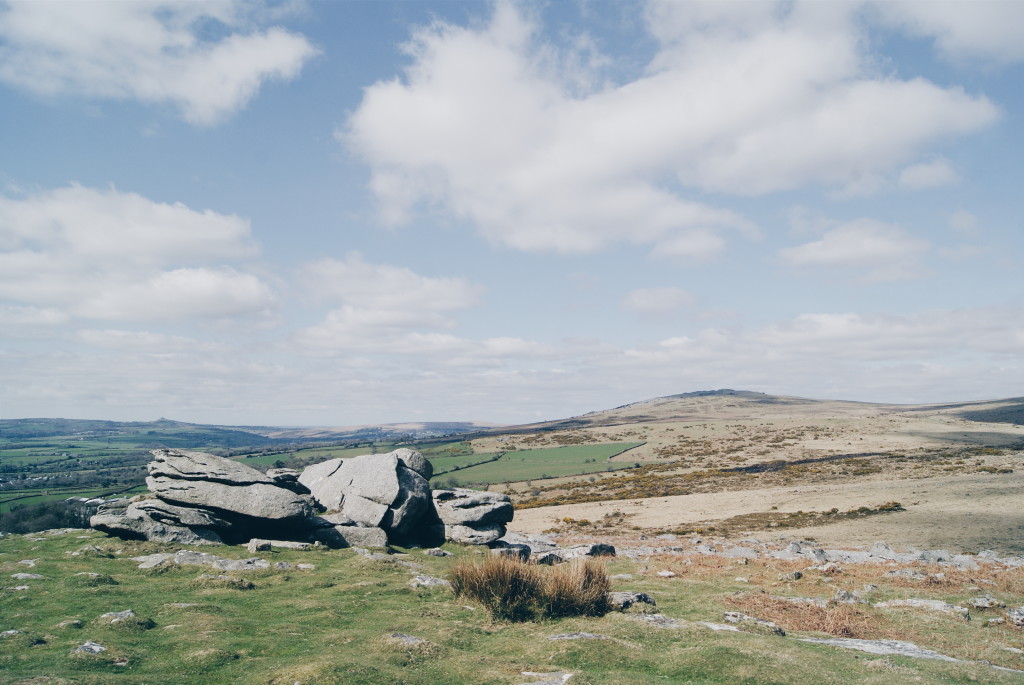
<point>366,501</point>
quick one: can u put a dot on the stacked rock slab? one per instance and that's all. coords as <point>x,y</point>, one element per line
<point>390,492</point>
<point>472,517</point>
<point>204,498</point>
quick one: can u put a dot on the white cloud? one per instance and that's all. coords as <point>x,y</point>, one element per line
<point>153,51</point>
<point>979,29</point>
<point>964,223</point>
<point>184,293</point>
<point>110,255</point>
<point>657,300</point>
<point>740,99</point>
<point>932,174</point>
<point>382,306</point>
<point>888,252</point>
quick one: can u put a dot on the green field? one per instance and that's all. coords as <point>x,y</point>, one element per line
<point>537,464</point>
<point>335,624</point>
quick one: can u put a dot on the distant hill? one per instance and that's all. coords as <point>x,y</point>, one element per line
<point>745,404</point>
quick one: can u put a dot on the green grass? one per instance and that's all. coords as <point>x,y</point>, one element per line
<point>333,625</point>
<point>536,464</point>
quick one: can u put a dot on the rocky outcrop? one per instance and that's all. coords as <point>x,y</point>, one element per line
<point>197,479</point>
<point>366,501</point>
<point>472,517</point>
<point>386,491</point>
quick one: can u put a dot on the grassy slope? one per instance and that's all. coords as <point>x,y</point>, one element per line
<point>331,625</point>
<point>553,462</point>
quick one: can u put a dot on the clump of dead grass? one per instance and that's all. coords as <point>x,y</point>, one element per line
<point>841,620</point>
<point>511,590</point>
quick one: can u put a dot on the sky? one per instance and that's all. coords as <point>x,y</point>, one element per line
<point>345,213</point>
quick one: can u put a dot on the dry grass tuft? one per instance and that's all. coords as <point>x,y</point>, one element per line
<point>841,620</point>
<point>512,590</point>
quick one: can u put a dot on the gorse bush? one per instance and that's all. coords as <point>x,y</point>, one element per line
<point>512,590</point>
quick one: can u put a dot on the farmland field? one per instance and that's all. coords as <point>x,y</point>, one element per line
<point>537,464</point>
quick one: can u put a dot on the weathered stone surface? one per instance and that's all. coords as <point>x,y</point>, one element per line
<point>388,491</point>
<point>622,601</point>
<point>316,478</point>
<point>520,552</point>
<point>197,479</point>
<point>593,549</point>
<point>548,558</point>
<point>1016,616</point>
<point>409,508</point>
<point>756,625</point>
<point>896,647</point>
<point>474,508</point>
<point>289,479</point>
<point>412,459</point>
<point>363,510</point>
<point>136,523</point>
<point>351,536</point>
<point>174,515</point>
<point>474,536</point>
<point>428,581</point>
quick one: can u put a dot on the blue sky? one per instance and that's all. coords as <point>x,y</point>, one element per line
<point>338,213</point>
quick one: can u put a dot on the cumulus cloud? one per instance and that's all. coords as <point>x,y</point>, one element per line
<point>188,54</point>
<point>485,125</point>
<point>982,29</point>
<point>938,172</point>
<point>382,305</point>
<point>886,251</point>
<point>657,300</point>
<point>106,254</point>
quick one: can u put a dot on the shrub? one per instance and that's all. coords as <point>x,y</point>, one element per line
<point>512,590</point>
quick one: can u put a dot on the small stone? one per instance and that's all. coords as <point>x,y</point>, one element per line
<point>795,575</point>
<point>305,567</point>
<point>437,552</point>
<point>89,648</point>
<point>985,602</point>
<point>70,623</point>
<point>26,576</point>
<point>621,601</point>
<point>578,636</point>
<point>1016,616</point>
<point>758,625</point>
<point>117,616</point>
<point>28,562</point>
<point>408,640</point>
<point>8,633</point>
<point>741,579</point>
<point>666,574</point>
<point>994,622</point>
<point>428,581</point>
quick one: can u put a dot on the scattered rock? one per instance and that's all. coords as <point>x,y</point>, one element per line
<point>594,549</point>
<point>71,623</point>
<point>929,604</point>
<point>659,620</point>
<point>752,624</point>
<point>549,558</point>
<point>257,544</point>
<point>547,678</point>
<point>578,636</point>
<point>117,616</point>
<point>27,576</point>
<point>719,626</point>
<point>842,596</point>
<point>882,551</point>
<point>795,575</point>
<point>986,602</point>
<point>406,640</point>
<point>428,581</point>
<point>666,574</point>
<point>1016,616</point>
<point>520,552</point>
<point>89,647</point>
<point>622,601</point>
<point>437,552</point>
<point>896,647</point>
<point>28,562</point>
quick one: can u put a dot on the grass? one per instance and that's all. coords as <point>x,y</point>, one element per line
<point>511,590</point>
<point>538,464</point>
<point>335,624</point>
